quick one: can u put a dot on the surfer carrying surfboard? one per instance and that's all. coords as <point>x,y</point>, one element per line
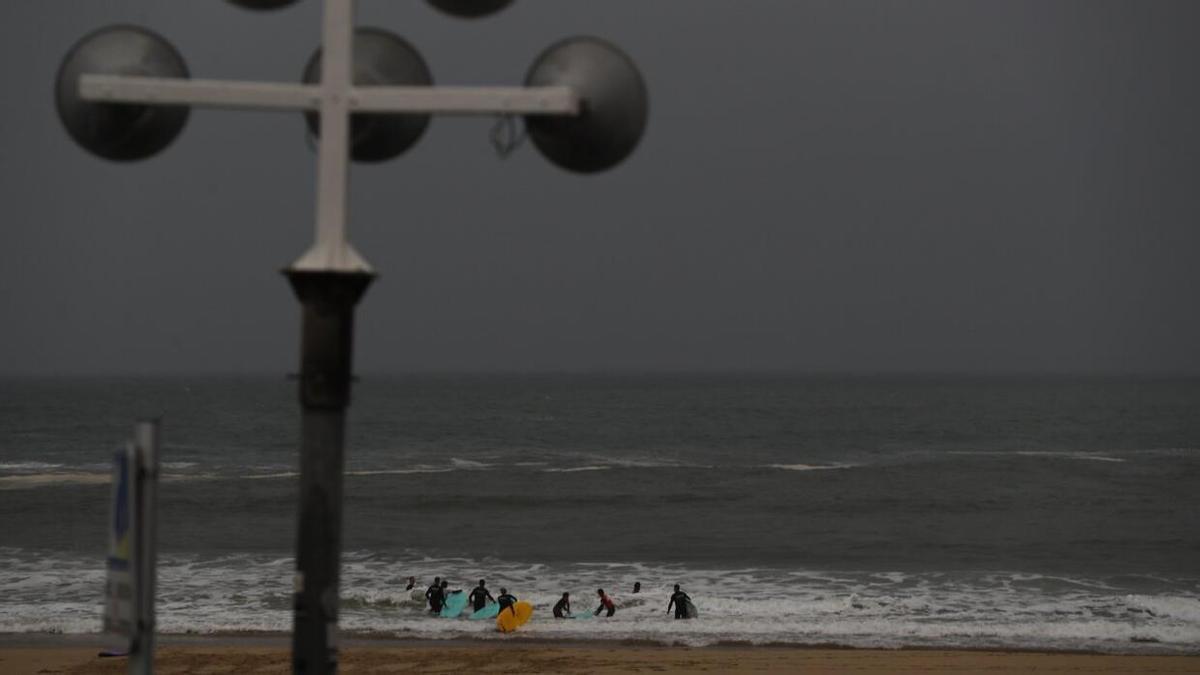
<point>480,596</point>
<point>681,601</point>
<point>606,603</point>
<point>505,599</point>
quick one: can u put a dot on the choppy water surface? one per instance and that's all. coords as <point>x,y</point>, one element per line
<point>1050,513</point>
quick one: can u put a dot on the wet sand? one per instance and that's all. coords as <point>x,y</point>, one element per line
<point>271,656</point>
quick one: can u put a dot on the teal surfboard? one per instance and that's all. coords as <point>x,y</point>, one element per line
<point>581,613</point>
<point>489,611</point>
<point>455,604</point>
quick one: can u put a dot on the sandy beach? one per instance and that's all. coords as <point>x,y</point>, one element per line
<point>270,656</point>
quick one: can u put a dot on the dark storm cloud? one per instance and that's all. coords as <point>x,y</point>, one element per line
<point>832,185</point>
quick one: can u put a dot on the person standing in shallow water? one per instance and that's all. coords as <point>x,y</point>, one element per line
<point>480,596</point>
<point>637,587</point>
<point>437,597</point>
<point>563,607</point>
<point>429,593</point>
<point>678,598</point>
<point>506,600</point>
<point>606,603</point>
<point>412,581</point>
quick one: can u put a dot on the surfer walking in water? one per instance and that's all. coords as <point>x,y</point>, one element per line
<point>637,587</point>
<point>606,603</point>
<point>680,600</point>
<point>437,597</point>
<point>480,596</point>
<point>563,607</point>
<point>506,600</point>
<point>434,590</point>
<point>412,581</point>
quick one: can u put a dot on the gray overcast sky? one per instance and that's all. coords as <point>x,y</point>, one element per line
<point>838,185</point>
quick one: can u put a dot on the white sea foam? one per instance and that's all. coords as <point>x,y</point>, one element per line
<point>1182,608</point>
<point>59,593</point>
<point>27,475</point>
<point>1052,454</point>
<point>809,467</point>
<point>178,466</point>
<point>270,476</point>
<point>605,463</point>
<point>35,480</point>
<point>193,471</point>
<point>33,474</point>
<point>29,466</point>
<point>469,464</point>
<point>1084,456</point>
<point>647,463</point>
<point>399,472</point>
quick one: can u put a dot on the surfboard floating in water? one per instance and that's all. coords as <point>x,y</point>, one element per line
<point>512,619</point>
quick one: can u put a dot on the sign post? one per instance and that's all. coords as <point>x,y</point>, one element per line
<point>132,545</point>
<point>120,606</point>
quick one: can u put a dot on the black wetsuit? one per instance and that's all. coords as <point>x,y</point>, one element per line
<point>429,593</point>
<point>562,608</point>
<point>437,598</point>
<point>506,600</point>
<point>678,598</point>
<point>479,598</point>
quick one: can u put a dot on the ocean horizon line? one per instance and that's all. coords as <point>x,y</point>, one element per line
<point>764,373</point>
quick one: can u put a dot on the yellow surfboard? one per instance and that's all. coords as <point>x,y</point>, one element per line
<point>514,617</point>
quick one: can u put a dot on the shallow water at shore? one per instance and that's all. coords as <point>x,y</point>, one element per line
<point>750,606</point>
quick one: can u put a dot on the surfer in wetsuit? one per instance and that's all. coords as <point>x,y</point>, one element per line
<point>606,603</point>
<point>505,599</point>
<point>429,593</point>
<point>678,598</point>
<point>412,581</point>
<point>437,598</point>
<point>480,596</point>
<point>637,587</point>
<point>563,607</point>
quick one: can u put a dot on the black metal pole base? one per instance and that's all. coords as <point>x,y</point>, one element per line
<point>327,342</point>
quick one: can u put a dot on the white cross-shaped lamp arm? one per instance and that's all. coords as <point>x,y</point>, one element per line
<point>234,94</point>
<point>332,251</point>
<point>335,98</point>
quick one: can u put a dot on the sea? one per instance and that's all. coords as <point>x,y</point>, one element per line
<point>1058,513</point>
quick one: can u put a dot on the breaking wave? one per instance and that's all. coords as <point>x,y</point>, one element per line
<point>244,592</point>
